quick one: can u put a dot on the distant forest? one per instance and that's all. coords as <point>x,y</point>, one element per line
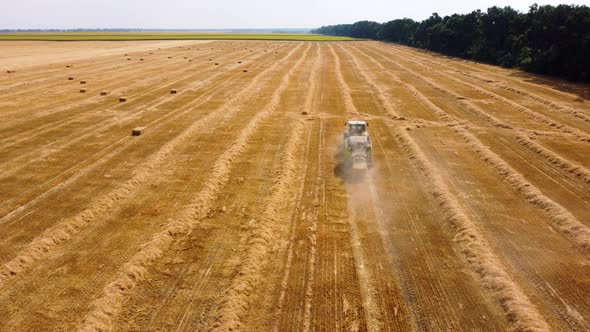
<point>551,40</point>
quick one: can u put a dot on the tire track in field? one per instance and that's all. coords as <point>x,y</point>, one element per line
<point>299,206</point>
<point>313,239</point>
<point>401,274</point>
<point>563,219</point>
<point>322,289</point>
<point>99,158</point>
<point>475,248</point>
<point>24,136</point>
<point>365,279</point>
<point>287,270</point>
<point>236,304</point>
<point>552,123</point>
<point>346,97</point>
<point>115,294</point>
<point>64,231</point>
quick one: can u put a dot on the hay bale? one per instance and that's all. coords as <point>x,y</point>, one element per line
<point>217,64</point>
<point>122,99</point>
<point>173,91</point>
<point>239,61</point>
<point>190,60</point>
<point>103,93</point>
<point>11,71</point>
<point>141,59</point>
<point>71,78</point>
<point>169,57</point>
<point>68,66</point>
<point>245,70</point>
<point>82,90</point>
<point>128,59</point>
<point>137,131</point>
<point>82,82</point>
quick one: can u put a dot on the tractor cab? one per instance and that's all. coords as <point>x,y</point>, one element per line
<point>355,128</point>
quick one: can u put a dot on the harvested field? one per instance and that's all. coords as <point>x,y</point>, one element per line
<point>196,197</point>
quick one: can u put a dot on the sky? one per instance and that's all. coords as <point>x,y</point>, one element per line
<point>232,14</point>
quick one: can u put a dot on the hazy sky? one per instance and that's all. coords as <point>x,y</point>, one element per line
<point>177,14</point>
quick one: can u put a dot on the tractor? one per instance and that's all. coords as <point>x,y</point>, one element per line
<point>357,145</point>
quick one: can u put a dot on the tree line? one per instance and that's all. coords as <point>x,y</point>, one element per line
<point>551,40</point>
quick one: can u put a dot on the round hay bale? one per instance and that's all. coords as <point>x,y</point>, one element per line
<point>103,93</point>
<point>239,61</point>
<point>245,70</point>
<point>82,82</point>
<point>173,91</point>
<point>82,90</point>
<point>122,99</point>
<point>169,57</point>
<point>217,64</point>
<point>11,71</point>
<point>141,59</point>
<point>128,59</point>
<point>71,78</point>
<point>68,66</point>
